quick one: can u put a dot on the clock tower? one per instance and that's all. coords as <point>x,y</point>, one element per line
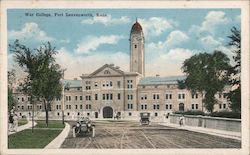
<point>137,52</point>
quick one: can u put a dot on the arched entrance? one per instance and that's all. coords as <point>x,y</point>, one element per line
<point>107,112</point>
<point>181,107</point>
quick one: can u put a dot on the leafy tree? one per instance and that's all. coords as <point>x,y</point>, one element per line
<point>206,74</point>
<point>43,79</point>
<point>11,80</point>
<point>234,72</point>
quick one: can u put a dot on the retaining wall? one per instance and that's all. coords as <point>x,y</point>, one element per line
<point>218,123</point>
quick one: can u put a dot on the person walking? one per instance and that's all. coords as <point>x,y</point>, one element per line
<point>181,120</point>
<point>15,122</point>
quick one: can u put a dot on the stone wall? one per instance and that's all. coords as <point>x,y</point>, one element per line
<point>218,123</point>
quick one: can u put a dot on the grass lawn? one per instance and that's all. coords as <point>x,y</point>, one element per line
<point>52,124</point>
<point>22,122</point>
<point>26,139</point>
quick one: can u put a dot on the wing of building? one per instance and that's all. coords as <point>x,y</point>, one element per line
<point>108,92</point>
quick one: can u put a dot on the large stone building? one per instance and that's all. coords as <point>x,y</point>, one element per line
<point>109,91</point>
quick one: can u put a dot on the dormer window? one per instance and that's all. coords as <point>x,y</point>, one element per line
<point>106,72</point>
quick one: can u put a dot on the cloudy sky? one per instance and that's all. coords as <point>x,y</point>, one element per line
<point>86,43</point>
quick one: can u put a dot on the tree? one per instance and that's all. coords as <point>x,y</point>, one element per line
<point>11,80</point>
<point>234,96</point>
<point>206,74</point>
<point>43,74</point>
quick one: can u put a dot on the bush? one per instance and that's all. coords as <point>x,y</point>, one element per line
<point>226,114</point>
<point>196,112</point>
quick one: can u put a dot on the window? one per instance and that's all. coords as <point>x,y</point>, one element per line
<point>181,96</point>
<point>69,106</point>
<point>76,106</point>
<point>111,96</point>
<point>220,106</point>
<point>192,106</point>
<point>69,98</point>
<point>96,84</point>
<point>156,96</point>
<point>22,99</point>
<point>88,87</point>
<point>58,114</point>
<point>129,84</point>
<point>88,106</point>
<point>156,106</point>
<point>130,114</point>
<point>166,106</point>
<point>68,113</point>
<point>22,107</point>
<point>118,84</point>
<point>130,106</point>
<point>103,96</point>
<point>88,98</point>
<point>196,106</point>
<point>118,96</point>
<point>144,106</point>
<point>106,72</point>
<point>96,96</point>
<point>156,114</point>
<point>170,106</point>
<point>135,46</point>
<point>78,113</point>
<point>224,106</point>
<point>194,96</point>
<point>80,97</point>
<point>76,98</point>
<point>130,97</point>
<point>80,106</point>
<point>88,114</point>
<point>107,84</point>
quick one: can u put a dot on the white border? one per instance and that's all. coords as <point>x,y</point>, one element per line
<point>244,5</point>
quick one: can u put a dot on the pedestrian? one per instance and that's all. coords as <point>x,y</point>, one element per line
<point>15,122</point>
<point>181,120</point>
<point>11,122</point>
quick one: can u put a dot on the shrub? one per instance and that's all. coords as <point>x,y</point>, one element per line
<point>190,112</point>
<point>226,114</point>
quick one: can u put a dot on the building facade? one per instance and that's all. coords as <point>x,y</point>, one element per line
<point>109,92</point>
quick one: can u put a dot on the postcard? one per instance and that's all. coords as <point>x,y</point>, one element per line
<point>127,77</point>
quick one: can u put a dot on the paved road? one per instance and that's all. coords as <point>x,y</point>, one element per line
<point>131,135</point>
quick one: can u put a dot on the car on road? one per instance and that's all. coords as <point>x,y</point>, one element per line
<point>145,118</point>
<point>84,126</point>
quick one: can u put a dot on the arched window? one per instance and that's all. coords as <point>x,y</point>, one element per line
<point>181,107</point>
<point>106,72</point>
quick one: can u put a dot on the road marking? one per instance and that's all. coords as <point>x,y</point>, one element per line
<point>148,140</point>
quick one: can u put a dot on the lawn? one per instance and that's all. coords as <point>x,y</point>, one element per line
<point>52,124</point>
<point>26,139</point>
<point>22,122</point>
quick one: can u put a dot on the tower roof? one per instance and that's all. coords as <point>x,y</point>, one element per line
<point>136,27</point>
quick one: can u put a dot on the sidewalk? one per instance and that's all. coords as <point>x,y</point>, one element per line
<point>57,142</point>
<point>215,132</point>
<point>22,127</point>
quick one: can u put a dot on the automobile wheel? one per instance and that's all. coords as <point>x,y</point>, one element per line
<point>93,132</point>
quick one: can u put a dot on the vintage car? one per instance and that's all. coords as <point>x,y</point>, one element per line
<point>145,118</point>
<point>84,127</point>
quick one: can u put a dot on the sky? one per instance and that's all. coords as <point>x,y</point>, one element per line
<point>101,36</point>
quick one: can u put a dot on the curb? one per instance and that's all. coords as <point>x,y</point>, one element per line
<point>57,142</point>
